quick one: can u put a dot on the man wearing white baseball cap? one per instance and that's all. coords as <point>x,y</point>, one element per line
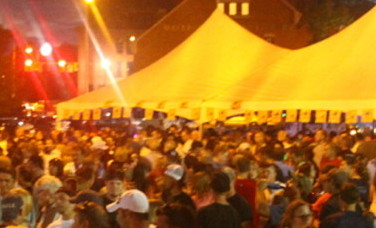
<point>172,187</point>
<point>133,209</point>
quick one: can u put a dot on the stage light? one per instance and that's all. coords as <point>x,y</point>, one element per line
<point>62,63</point>
<point>46,49</point>
<point>29,62</point>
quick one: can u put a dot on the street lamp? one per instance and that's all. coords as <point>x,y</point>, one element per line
<point>46,49</point>
<point>105,64</point>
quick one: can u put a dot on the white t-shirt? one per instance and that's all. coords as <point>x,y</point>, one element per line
<point>60,223</point>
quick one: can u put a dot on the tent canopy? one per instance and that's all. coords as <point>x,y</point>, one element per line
<point>222,63</point>
<point>212,60</point>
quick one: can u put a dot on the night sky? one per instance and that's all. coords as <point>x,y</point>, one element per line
<point>61,18</point>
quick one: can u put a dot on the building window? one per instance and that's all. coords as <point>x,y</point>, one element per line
<point>221,6</point>
<point>245,9</point>
<point>234,8</point>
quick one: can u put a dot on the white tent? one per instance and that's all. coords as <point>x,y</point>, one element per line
<point>221,63</point>
<point>211,61</point>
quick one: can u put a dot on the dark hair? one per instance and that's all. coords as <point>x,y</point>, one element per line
<point>85,173</point>
<point>177,215</point>
<point>242,164</point>
<point>37,161</point>
<point>279,174</point>
<point>93,213</point>
<point>349,193</point>
<point>56,162</point>
<point>115,175</point>
<point>220,183</point>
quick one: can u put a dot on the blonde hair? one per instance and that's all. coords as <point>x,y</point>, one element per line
<point>27,200</point>
<point>47,182</point>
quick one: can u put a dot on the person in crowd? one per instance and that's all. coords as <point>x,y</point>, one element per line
<point>245,185</point>
<point>350,216</point>
<point>44,191</point>
<point>65,208</point>
<point>219,214</point>
<point>320,146</point>
<point>28,211</point>
<point>172,186</point>
<point>56,168</point>
<point>297,215</point>
<point>237,201</point>
<point>113,190</point>
<point>35,165</point>
<point>175,216</point>
<point>336,179</point>
<point>201,192</point>
<point>90,215</point>
<point>7,181</point>
<point>85,177</point>
<point>87,196</point>
<point>11,210</point>
<point>133,208</point>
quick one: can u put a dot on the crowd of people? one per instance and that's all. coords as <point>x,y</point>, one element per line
<point>182,178</point>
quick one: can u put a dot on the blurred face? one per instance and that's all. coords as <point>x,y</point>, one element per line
<point>6,183</point>
<point>115,187</point>
<point>319,136</point>
<point>281,136</point>
<point>269,173</point>
<point>44,197</point>
<point>254,170</point>
<point>259,138</point>
<point>62,202</point>
<point>302,217</point>
<point>162,222</point>
<point>169,145</point>
<point>166,183</point>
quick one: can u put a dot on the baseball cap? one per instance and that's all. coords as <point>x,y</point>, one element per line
<point>11,207</point>
<point>133,200</point>
<point>87,195</point>
<point>175,171</point>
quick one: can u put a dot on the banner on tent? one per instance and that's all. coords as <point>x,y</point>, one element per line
<point>171,114</point>
<point>148,114</point>
<point>367,116</point>
<point>262,117</point>
<point>127,112</point>
<point>335,117</point>
<point>321,116</point>
<point>222,115</point>
<point>86,115</point>
<point>351,117</point>
<point>291,115</point>
<point>210,114</point>
<point>249,116</point>
<point>76,115</point>
<point>196,113</point>
<point>305,116</point>
<point>276,116</point>
<point>116,112</point>
<point>97,114</point>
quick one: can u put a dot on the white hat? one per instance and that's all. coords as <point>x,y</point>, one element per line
<point>175,171</point>
<point>133,200</point>
<point>98,143</point>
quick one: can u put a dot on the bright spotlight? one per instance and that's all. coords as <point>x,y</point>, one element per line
<point>89,1</point>
<point>29,62</point>
<point>46,49</point>
<point>132,38</point>
<point>62,63</point>
<point>105,64</point>
<point>29,50</point>
<point>353,132</point>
